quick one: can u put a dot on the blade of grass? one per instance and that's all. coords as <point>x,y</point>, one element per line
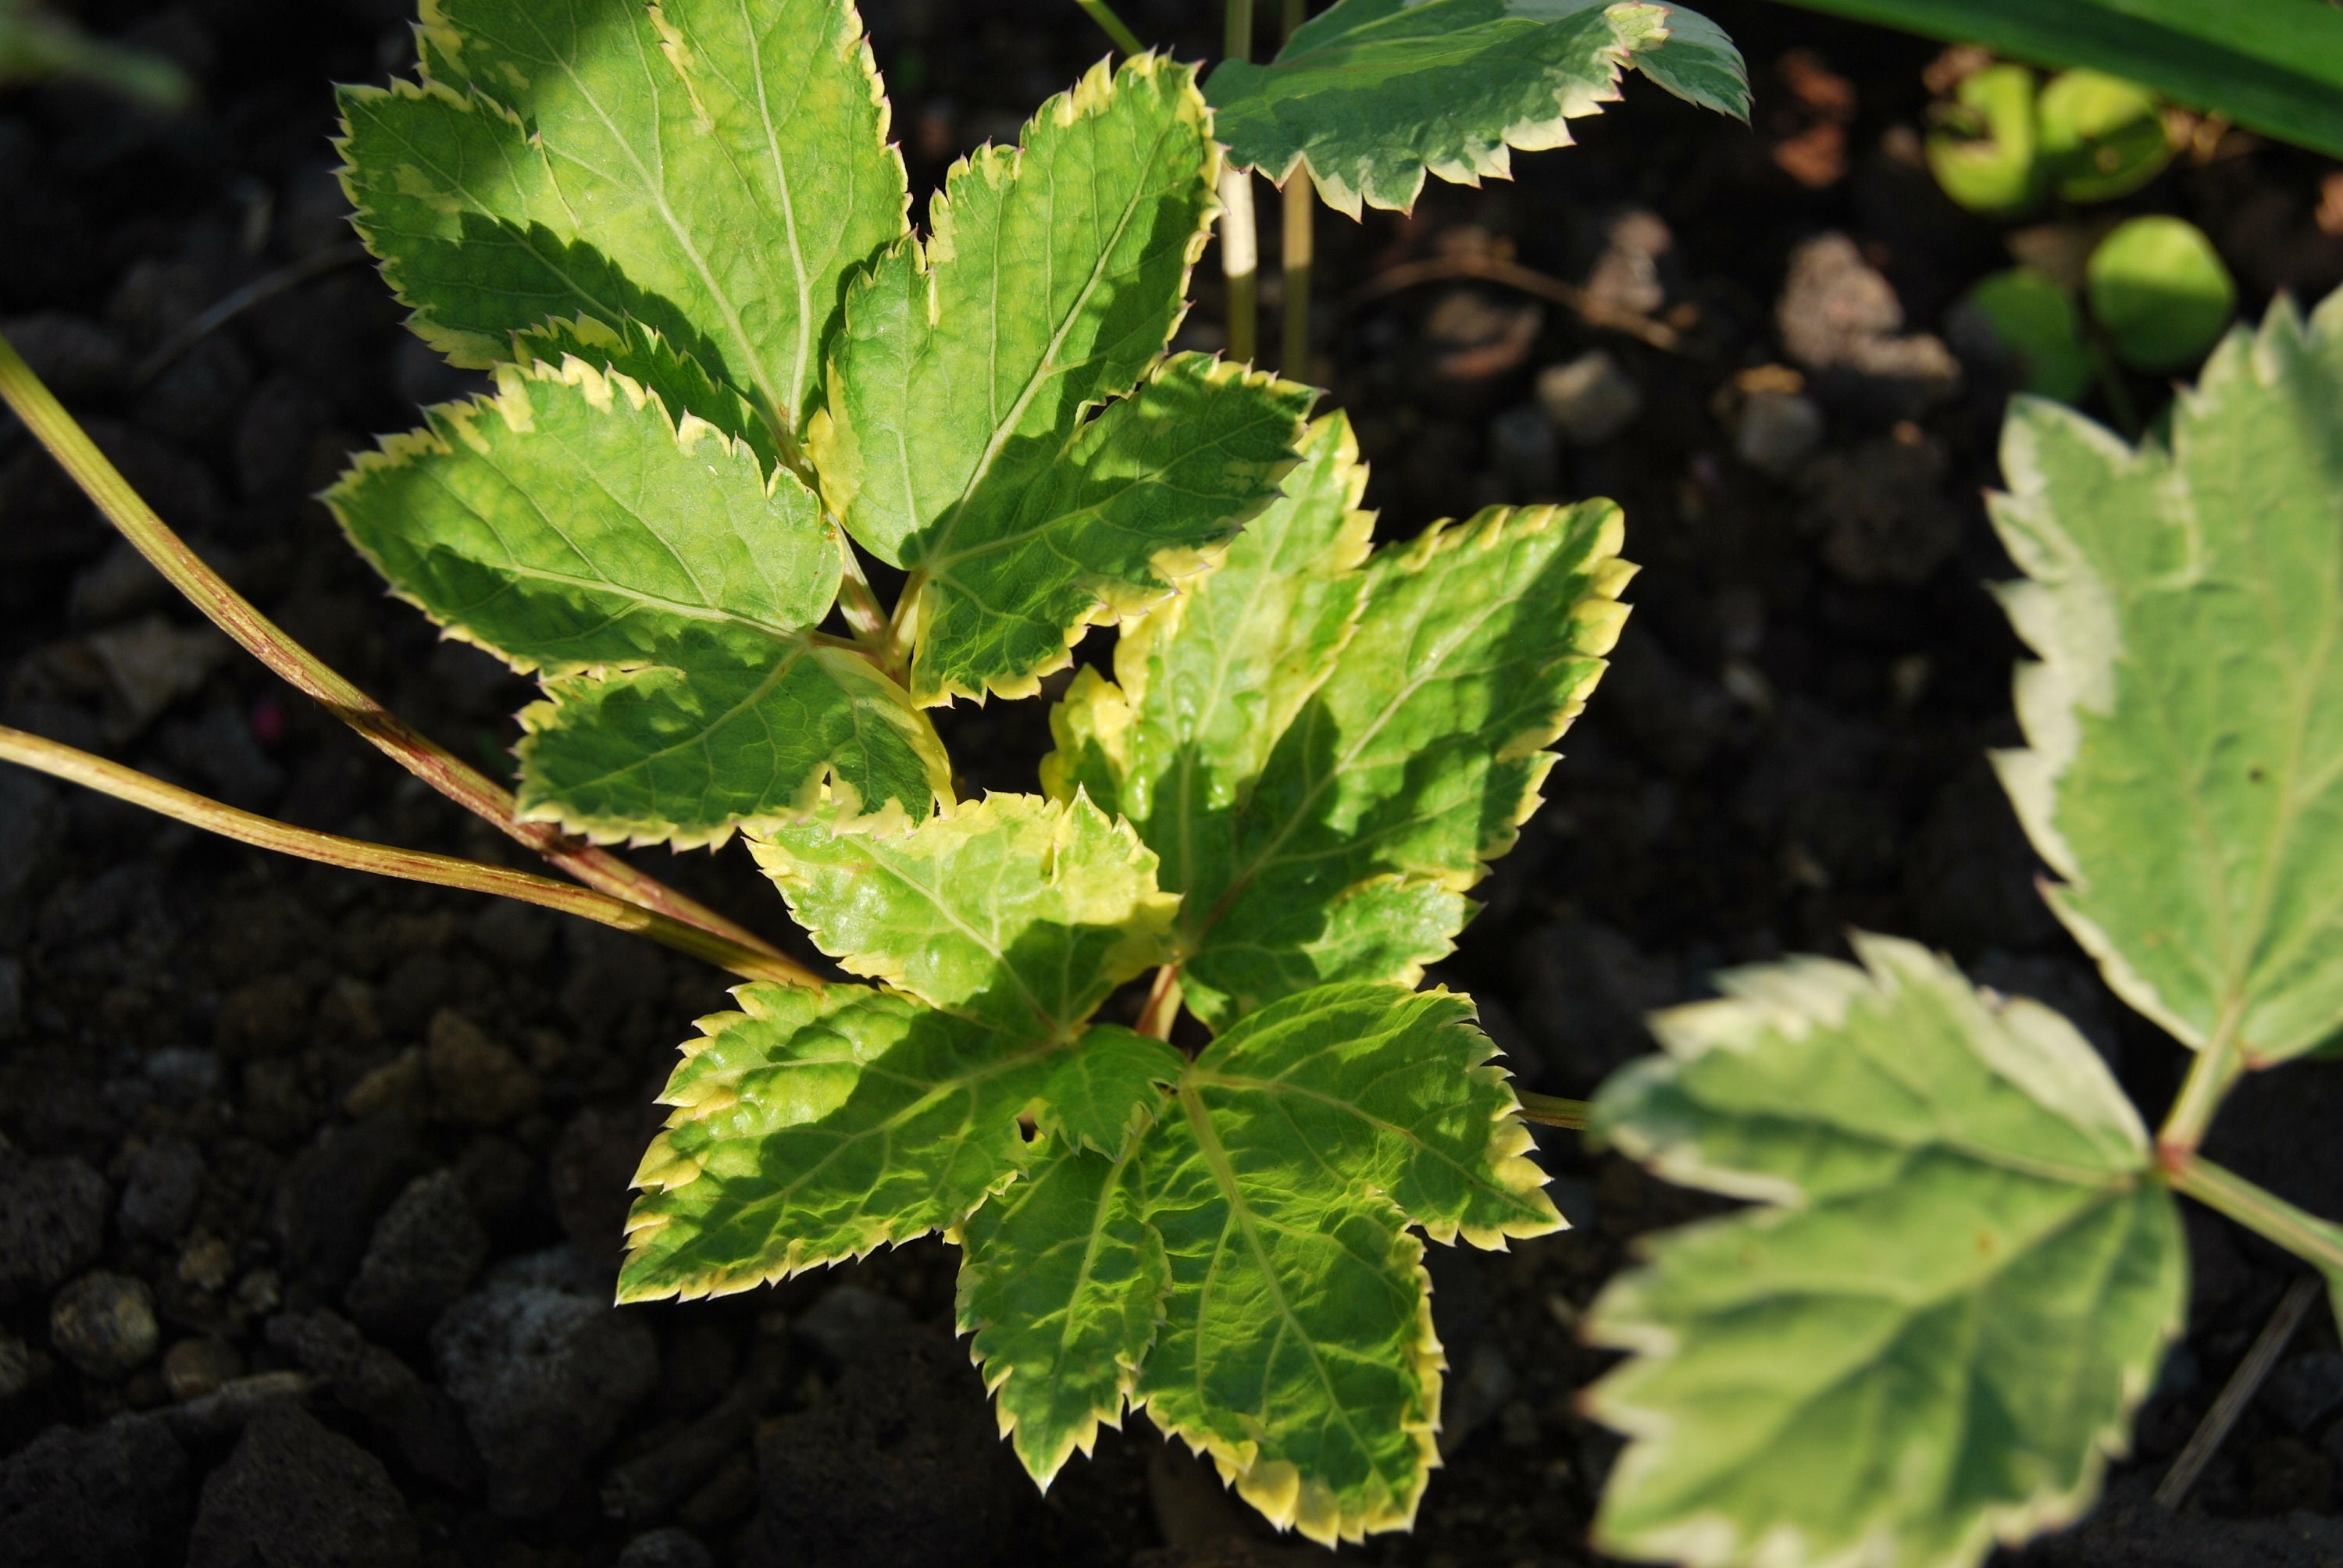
<point>1100,11</point>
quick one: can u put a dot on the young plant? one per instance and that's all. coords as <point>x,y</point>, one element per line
<point>726,371</point>
<point>1964,1263</point>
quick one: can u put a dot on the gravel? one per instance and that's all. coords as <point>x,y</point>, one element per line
<point>104,1323</point>
<point>52,1223</point>
<point>92,1499</point>
<point>296,1494</point>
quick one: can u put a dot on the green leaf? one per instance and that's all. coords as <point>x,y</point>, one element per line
<point>665,583</point>
<point>1297,1347</point>
<point>742,1190</point>
<point>2185,769</point>
<point>2037,324</point>
<point>1016,912</point>
<point>1110,1090</point>
<point>1059,539</point>
<point>2275,66</point>
<point>1324,754</point>
<point>2157,287</point>
<point>2102,136</point>
<point>1064,1286</point>
<point>711,169</point>
<point>954,443</point>
<point>1932,1334</point>
<point>1371,95</point>
<point>1982,148</point>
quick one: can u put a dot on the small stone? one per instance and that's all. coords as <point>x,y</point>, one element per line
<point>399,1087</point>
<point>2306,1390</point>
<point>1879,509</point>
<point>104,1323</point>
<point>1475,337</point>
<point>346,1014</point>
<point>263,1017</point>
<point>1840,317</point>
<point>99,1499</point>
<point>78,358</point>
<point>668,1548</point>
<point>1590,399</point>
<point>1776,431</point>
<point>160,1190</point>
<point>478,1081</point>
<point>848,1318</point>
<point>425,1250</point>
<point>332,1192</point>
<point>182,1076</point>
<point>52,1223</point>
<point>375,1385</point>
<point>17,1367</point>
<point>206,1261</point>
<point>260,1291</point>
<point>296,1494</point>
<point>592,1172</point>
<point>150,664</point>
<point>193,1368</point>
<point>545,1374</point>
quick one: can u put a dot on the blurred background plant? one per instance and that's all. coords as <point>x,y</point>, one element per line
<point>36,44</point>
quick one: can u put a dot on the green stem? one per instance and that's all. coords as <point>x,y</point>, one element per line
<point>1551,1110</point>
<point>1299,198</point>
<point>2265,1213</point>
<point>1162,1009</point>
<point>235,615</point>
<point>2217,1067</point>
<point>65,762</point>
<point>1100,11</point>
<point>1240,241</point>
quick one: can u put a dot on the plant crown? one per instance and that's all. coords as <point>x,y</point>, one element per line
<point>726,370</point>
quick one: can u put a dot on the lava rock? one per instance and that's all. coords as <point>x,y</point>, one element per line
<point>104,1323</point>
<point>102,1499</point>
<point>1590,399</point>
<point>544,1370</point>
<point>193,1368</point>
<point>52,1224</point>
<point>592,1172</point>
<point>1584,989</point>
<point>17,1367</point>
<point>28,838</point>
<point>478,1081</point>
<point>11,997</point>
<point>1879,511</point>
<point>78,358</point>
<point>900,1463</point>
<point>160,1190</point>
<point>332,1192</point>
<point>849,1319</point>
<point>668,1548</point>
<point>297,1494</point>
<point>424,1253</point>
<point>1841,319</point>
<point>372,1382</point>
<point>2304,1391</point>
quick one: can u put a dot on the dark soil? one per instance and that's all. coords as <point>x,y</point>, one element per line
<point>312,1183</point>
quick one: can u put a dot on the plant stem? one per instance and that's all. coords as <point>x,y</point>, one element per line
<point>1111,24</point>
<point>2216,1068</point>
<point>1240,242</point>
<point>859,605</point>
<point>1297,248</point>
<point>234,614</point>
<point>2237,1394</point>
<point>2263,1213</point>
<point>1551,1110</point>
<point>65,762</point>
<point>1162,1009</point>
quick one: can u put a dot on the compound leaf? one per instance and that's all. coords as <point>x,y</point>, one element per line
<point>1110,1090</point>
<point>2184,772</point>
<point>1325,756</point>
<point>1063,1285</point>
<point>740,1190</point>
<point>1297,1348</point>
<point>714,170</point>
<point>1932,1333</point>
<point>1016,912</point>
<point>665,583</point>
<point>1371,95</point>
<point>1052,280</point>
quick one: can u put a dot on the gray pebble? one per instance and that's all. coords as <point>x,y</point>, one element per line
<point>424,1252</point>
<point>104,1323</point>
<point>668,1548</point>
<point>52,1223</point>
<point>160,1190</point>
<point>1590,399</point>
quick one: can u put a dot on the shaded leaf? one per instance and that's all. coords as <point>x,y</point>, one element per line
<point>665,584</point>
<point>2185,769</point>
<point>1933,1333</point>
<point>1370,95</point>
<point>1063,1285</point>
<point>1110,1089</point>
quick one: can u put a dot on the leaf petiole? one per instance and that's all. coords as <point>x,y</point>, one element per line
<point>1551,1110</point>
<point>235,615</point>
<point>1240,241</point>
<point>2262,1212</point>
<point>61,761</point>
<point>2210,1075</point>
